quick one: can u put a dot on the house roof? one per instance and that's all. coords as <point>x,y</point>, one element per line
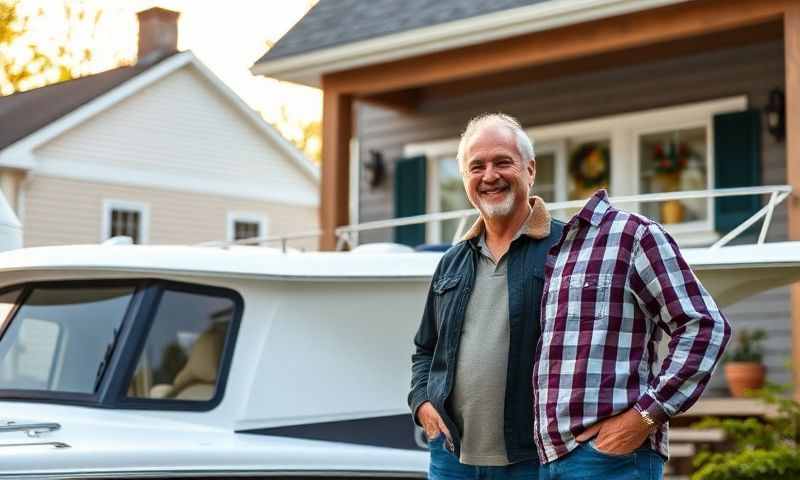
<point>336,22</point>
<point>26,112</point>
<point>31,118</point>
<point>338,35</point>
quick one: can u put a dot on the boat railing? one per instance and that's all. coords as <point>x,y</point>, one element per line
<point>347,235</point>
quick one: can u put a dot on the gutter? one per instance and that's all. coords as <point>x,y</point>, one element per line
<point>309,67</point>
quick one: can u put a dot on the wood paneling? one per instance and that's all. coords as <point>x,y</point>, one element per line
<point>591,38</point>
<point>792,55</point>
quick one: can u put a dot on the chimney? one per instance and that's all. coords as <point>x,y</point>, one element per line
<point>158,34</point>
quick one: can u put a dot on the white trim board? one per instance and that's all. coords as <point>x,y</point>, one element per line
<point>274,193</point>
<point>307,68</point>
<point>20,153</point>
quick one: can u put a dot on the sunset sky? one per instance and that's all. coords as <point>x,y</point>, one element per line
<point>226,36</point>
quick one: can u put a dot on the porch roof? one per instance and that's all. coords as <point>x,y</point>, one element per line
<point>344,34</point>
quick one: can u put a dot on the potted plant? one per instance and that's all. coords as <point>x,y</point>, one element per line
<point>744,369</point>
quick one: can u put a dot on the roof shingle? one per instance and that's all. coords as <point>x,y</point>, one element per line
<point>335,22</point>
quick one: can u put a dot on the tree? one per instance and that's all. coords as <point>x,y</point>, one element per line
<point>33,54</point>
<point>306,135</point>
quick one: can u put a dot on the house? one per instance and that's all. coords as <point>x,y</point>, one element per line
<point>160,151</point>
<point>610,90</point>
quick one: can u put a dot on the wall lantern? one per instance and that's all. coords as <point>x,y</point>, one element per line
<point>375,168</point>
<point>776,114</point>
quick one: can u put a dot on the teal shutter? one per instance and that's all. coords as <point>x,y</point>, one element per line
<point>409,198</point>
<point>737,163</point>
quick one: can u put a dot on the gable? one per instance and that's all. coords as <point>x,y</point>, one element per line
<point>179,132</point>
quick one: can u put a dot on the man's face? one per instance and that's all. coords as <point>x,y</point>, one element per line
<point>496,179</point>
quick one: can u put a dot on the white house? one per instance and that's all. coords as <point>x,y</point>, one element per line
<point>161,151</point>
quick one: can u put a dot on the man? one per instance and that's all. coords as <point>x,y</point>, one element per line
<point>472,370</point>
<point>613,283</point>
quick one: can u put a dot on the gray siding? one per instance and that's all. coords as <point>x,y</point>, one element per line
<point>752,71</point>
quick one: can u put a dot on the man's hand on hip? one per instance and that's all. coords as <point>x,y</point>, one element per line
<point>432,422</point>
<point>620,434</point>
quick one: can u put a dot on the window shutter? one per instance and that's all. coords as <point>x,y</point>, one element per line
<point>737,163</point>
<point>409,198</point>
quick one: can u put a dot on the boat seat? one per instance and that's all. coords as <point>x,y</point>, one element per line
<point>197,379</point>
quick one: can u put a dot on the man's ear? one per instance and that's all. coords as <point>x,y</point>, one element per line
<point>532,171</point>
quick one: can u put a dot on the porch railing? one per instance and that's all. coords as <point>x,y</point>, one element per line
<point>777,194</point>
<point>346,234</point>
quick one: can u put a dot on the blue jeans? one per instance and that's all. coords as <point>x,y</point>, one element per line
<point>445,466</point>
<point>586,462</point>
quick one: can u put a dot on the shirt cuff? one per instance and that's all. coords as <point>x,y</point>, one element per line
<point>648,403</point>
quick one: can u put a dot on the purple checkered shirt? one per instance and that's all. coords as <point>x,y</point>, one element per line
<point>614,283</point>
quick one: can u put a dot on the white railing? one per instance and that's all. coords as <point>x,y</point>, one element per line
<point>777,193</point>
<point>345,235</point>
<point>282,239</point>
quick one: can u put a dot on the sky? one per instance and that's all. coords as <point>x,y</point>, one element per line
<point>228,37</point>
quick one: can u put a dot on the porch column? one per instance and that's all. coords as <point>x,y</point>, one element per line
<point>337,129</point>
<point>791,32</point>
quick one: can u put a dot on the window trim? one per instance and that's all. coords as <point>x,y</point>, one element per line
<point>136,324</point>
<point>622,131</point>
<point>249,217</point>
<point>109,205</point>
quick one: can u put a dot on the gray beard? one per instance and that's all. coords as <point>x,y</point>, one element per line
<point>500,209</point>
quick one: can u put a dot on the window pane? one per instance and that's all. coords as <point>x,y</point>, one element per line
<point>589,168</point>
<point>674,161</point>
<point>544,184</point>
<point>59,337</point>
<point>244,230</point>
<point>125,223</point>
<point>451,195</point>
<point>181,358</point>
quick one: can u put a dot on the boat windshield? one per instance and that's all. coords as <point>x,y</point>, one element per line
<point>59,338</point>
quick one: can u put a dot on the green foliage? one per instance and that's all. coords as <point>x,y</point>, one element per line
<point>34,54</point>
<point>762,450</point>
<point>748,346</point>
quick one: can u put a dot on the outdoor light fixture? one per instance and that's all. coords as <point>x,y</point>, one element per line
<point>375,168</point>
<point>776,114</point>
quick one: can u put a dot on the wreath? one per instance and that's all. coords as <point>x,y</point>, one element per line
<point>671,158</point>
<point>589,166</point>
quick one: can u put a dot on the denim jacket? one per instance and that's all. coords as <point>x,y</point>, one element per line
<point>438,336</point>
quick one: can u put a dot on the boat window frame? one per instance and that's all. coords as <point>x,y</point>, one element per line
<point>118,390</point>
<point>135,328</point>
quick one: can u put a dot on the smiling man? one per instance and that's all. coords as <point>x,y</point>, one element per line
<point>472,369</point>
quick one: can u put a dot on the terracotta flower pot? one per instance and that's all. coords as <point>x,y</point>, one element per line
<point>743,376</point>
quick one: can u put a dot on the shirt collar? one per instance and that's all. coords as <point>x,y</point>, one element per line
<point>595,208</point>
<point>536,226</point>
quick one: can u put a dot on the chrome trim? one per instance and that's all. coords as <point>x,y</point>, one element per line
<point>31,429</point>
<point>36,444</point>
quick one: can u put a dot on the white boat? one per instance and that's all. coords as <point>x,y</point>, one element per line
<point>220,361</point>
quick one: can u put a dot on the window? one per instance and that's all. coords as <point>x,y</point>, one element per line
<point>129,219</point>
<point>183,353</point>
<point>59,338</point>
<point>246,225</point>
<point>661,150</point>
<point>673,160</point>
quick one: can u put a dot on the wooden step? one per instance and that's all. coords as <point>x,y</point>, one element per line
<point>681,450</point>
<point>692,435</point>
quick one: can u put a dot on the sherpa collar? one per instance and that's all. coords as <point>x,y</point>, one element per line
<point>537,225</point>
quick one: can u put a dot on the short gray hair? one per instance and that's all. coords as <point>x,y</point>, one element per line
<point>524,143</point>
